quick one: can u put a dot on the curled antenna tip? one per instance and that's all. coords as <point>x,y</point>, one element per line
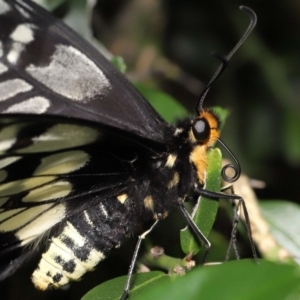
<point>236,168</point>
<point>250,12</point>
<point>225,59</point>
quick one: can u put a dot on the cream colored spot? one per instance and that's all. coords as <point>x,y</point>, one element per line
<point>45,217</point>
<point>49,266</point>
<point>14,54</point>
<point>35,105</point>
<point>4,8</point>
<point>50,191</point>
<point>104,211</point>
<point>23,33</point>
<point>8,135</point>
<point>87,218</point>
<point>21,219</point>
<point>178,131</point>
<point>170,160</point>
<point>9,213</point>
<point>42,277</point>
<point>79,242</point>
<point>64,75</point>
<point>148,203</point>
<point>62,136</point>
<point>174,181</point>
<point>62,163</point>
<point>5,145</point>
<point>122,198</point>
<point>21,185</point>
<point>8,160</point>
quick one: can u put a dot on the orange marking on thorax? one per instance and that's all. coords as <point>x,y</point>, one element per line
<point>198,155</point>
<point>199,158</point>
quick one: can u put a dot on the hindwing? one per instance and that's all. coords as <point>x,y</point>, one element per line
<point>51,171</point>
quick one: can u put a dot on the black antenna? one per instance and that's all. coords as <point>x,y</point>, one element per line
<point>236,168</point>
<point>222,67</point>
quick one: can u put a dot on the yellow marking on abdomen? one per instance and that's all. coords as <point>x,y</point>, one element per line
<point>149,203</point>
<point>122,198</point>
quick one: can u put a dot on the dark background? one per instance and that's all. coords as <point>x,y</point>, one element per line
<point>260,87</point>
<point>166,44</point>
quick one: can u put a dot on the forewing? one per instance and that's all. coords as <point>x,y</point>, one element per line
<point>45,67</point>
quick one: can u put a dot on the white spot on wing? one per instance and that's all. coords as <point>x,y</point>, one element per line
<point>8,135</point>
<point>35,105</point>
<point>4,7</point>
<point>62,136</point>
<point>71,74</point>
<point>5,145</point>
<point>17,186</point>
<point>9,213</point>
<point>23,33</point>
<point>62,163</point>
<point>10,88</point>
<point>54,190</point>
<point>8,160</point>
<point>23,218</point>
<point>15,52</point>
<point>46,219</point>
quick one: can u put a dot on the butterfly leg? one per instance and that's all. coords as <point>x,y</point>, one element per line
<point>201,237</point>
<point>241,202</point>
<point>134,258</point>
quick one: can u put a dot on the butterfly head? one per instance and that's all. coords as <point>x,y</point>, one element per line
<point>205,129</point>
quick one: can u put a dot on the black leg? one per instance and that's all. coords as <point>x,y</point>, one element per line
<point>196,230</point>
<point>241,202</point>
<point>133,260</point>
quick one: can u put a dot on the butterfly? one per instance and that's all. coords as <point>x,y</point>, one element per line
<point>85,159</point>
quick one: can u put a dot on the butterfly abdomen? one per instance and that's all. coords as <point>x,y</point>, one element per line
<point>83,242</point>
<point>70,256</point>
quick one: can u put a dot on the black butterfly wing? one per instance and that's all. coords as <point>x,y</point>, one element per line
<point>51,171</point>
<point>46,68</point>
<point>69,127</point>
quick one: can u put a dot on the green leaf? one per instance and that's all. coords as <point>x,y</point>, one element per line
<point>284,221</point>
<point>206,208</point>
<point>113,289</point>
<point>242,280</point>
<point>164,104</point>
<point>119,63</point>
<point>222,113</point>
<point>290,135</point>
<point>50,5</point>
